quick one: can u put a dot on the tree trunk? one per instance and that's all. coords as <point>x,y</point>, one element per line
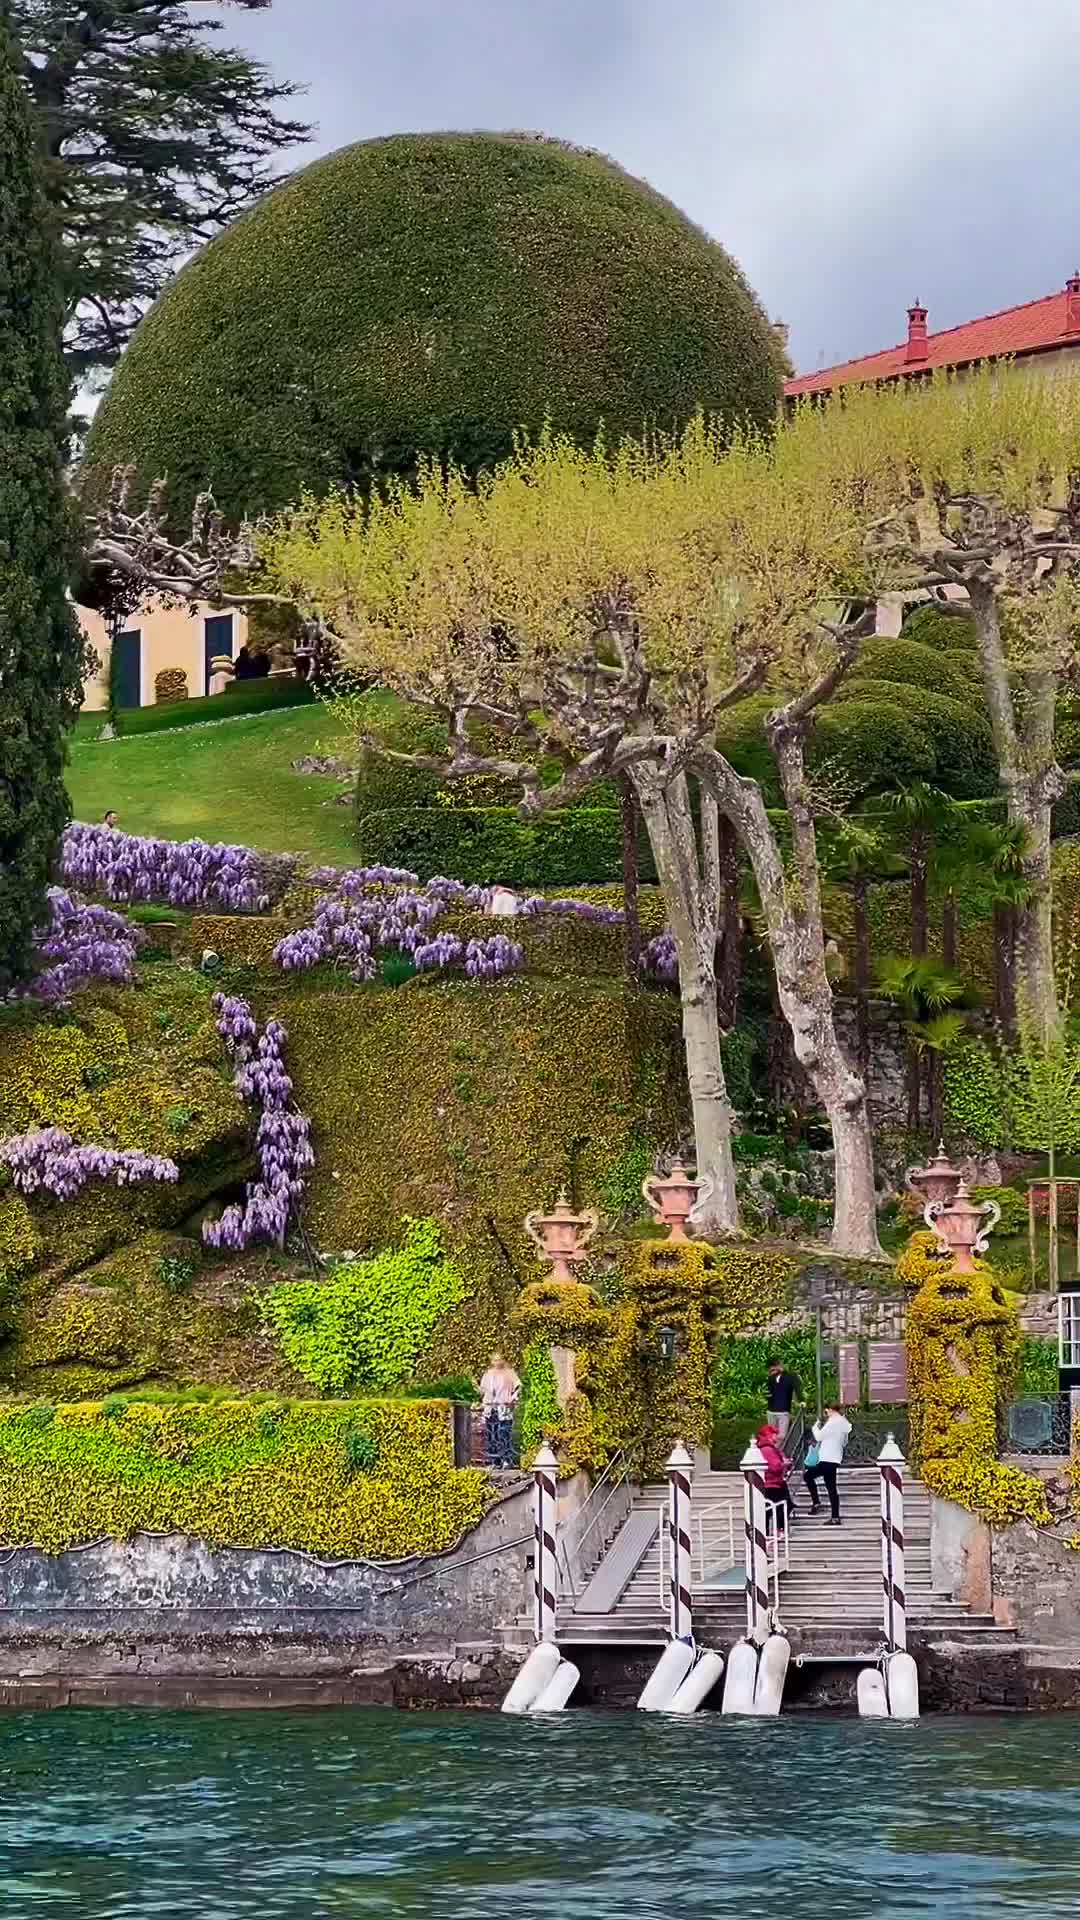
<point>948,932</point>
<point>861,929</point>
<point>1031,781</point>
<point>913,1081</point>
<point>935,1094</point>
<point>792,906</point>
<point>920,918</point>
<point>628,811</point>
<point>1004,968</point>
<point>670,827</point>
<point>729,977</point>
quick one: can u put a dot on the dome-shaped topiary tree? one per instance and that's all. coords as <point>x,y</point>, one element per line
<point>431,294</point>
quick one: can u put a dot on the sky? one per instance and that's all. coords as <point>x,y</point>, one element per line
<point>853,156</point>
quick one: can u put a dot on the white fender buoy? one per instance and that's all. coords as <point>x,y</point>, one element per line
<point>902,1686</point>
<point>873,1701</point>
<point>558,1689</point>
<point>666,1677</point>
<point>771,1674</point>
<point>541,1667</point>
<point>741,1678</point>
<point>698,1684</point>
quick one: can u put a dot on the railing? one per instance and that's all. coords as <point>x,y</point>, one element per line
<point>1040,1424</point>
<point>708,1564</point>
<point>585,1537</point>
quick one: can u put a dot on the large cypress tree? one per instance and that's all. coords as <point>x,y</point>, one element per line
<point>41,648</point>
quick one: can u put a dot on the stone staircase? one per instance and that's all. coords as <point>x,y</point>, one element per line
<point>829,1596</point>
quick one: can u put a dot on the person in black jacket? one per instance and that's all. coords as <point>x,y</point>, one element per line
<point>782,1389</point>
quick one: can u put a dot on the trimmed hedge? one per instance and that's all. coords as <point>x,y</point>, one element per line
<point>246,696</point>
<point>238,1474</point>
<point>955,723</point>
<point>576,846</point>
<point>431,293</point>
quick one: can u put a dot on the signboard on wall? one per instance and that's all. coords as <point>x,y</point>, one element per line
<point>887,1372</point>
<point>849,1373</point>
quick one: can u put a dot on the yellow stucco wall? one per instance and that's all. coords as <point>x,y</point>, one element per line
<point>170,637</point>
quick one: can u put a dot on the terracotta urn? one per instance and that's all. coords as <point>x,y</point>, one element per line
<point>671,1201</point>
<point>937,1183</point>
<point>562,1236</point>
<point>962,1227</point>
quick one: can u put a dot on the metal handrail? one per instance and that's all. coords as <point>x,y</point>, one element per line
<point>615,1480</point>
<point>778,1549</point>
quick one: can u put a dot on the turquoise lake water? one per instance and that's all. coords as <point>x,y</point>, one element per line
<point>301,1816</point>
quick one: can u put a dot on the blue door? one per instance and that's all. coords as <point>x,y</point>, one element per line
<point>128,669</point>
<point>218,638</point>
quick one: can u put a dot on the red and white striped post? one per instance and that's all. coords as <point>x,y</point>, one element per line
<point>679,1468</point>
<point>545,1565</point>
<point>757,1545</point>
<point>891,1464</point>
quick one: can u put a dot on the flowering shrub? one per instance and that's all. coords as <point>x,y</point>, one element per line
<point>77,945</point>
<point>379,909</point>
<point>365,1327</point>
<point>48,1161</point>
<point>660,960</point>
<point>282,1139</point>
<point>188,873</point>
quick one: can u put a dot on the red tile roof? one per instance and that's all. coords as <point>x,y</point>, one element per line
<point>1032,328</point>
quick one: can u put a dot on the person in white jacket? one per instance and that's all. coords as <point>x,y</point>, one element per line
<point>831,1436</point>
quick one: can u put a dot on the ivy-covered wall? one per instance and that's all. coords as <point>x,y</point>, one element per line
<point>370,1479</point>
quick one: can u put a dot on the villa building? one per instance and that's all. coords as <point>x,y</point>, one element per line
<point>158,639</point>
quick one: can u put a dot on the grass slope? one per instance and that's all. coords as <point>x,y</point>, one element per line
<point>232,781</point>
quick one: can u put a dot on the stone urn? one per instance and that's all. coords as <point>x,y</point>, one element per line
<point>962,1227</point>
<point>671,1201</point>
<point>562,1235</point>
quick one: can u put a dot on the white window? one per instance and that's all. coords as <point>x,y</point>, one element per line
<point>1069,1329</point>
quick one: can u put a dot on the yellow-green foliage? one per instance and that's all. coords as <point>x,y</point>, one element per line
<point>626,1392</point>
<point>238,1474</point>
<point>242,940</point>
<point>364,1326</point>
<point>124,1069</point>
<point>922,1259</point>
<point>463,1103</point>
<point>19,1244</point>
<point>565,1313</point>
<point>964,1348</point>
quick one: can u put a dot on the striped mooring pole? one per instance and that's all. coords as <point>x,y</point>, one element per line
<point>757,1546</point>
<point>891,1464</point>
<point>679,1468</point>
<point>545,1565</point>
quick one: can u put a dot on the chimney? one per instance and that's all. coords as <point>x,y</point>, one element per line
<point>1072,304</point>
<point>780,328</point>
<point>916,333</point>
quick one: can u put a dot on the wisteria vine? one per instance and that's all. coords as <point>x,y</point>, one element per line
<point>78,944</point>
<point>177,873</point>
<point>282,1138</point>
<point>384,909</point>
<point>48,1161</point>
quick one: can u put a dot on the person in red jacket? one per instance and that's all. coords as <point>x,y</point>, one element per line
<point>777,1468</point>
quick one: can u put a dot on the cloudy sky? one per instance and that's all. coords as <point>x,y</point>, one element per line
<point>852,155</point>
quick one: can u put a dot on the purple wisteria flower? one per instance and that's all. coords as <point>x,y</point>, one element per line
<point>489,959</point>
<point>188,873</point>
<point>78,945</point>
<point>282,1138</point>
<point>660,960</point>
<point>48,1161</point>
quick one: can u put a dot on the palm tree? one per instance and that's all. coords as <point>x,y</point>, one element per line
<point>919,813</point>
<point>929,998</point>
<point>997,854</point>
<point>853,855</point>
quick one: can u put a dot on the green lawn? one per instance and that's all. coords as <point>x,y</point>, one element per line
<point>233,781</point>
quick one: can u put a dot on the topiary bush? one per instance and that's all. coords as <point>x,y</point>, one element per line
<point>170,685</point>
<point>575,846</point>
<point>430,294</point>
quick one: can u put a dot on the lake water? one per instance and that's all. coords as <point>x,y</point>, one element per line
<point>323,1816</point>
